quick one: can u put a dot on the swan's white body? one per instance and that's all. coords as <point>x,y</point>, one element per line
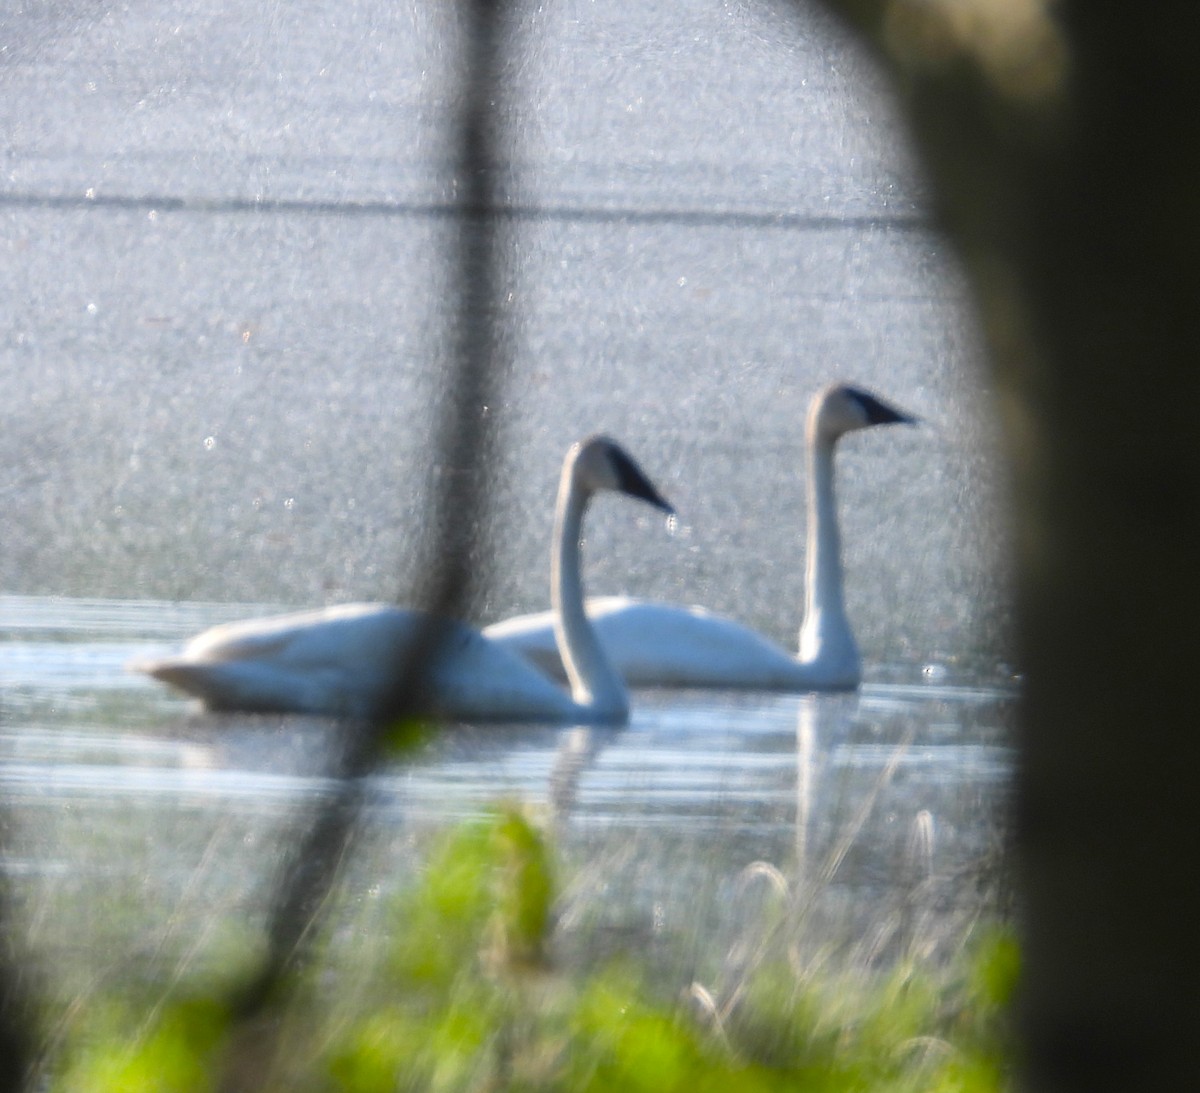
<point>672,645</point>
<point>667,645</point>
<point>342,661</point>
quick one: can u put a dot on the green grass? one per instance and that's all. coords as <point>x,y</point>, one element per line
<point>469,991</point>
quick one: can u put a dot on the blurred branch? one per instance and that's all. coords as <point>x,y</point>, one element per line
<point>17,1037</point>
<point>463,446</point>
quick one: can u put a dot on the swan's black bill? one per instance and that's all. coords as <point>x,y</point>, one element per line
<point>879,412</point>
<point>633,481</point>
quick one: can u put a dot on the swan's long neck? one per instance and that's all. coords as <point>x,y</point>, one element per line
<point>825,633</point>
<point>595,684</point>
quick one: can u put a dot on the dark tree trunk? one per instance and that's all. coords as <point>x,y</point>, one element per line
<point>1064,158</point>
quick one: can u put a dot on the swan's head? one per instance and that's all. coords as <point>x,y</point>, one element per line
<point>599,463</point>
<point>841,408</point>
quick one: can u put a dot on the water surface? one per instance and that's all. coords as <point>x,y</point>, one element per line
<point>128,807</point>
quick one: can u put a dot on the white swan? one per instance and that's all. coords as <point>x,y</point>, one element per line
<point>341,661</point>
<point>665,645</point>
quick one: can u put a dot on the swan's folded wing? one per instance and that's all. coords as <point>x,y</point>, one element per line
<point>663,645</point>
<point>322,636</point>
<point>532,638</point>
<point>480,680</point>
<point>239,645</point>
<point>331,661</point>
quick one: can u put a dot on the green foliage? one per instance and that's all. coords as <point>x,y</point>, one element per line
<point>177,1055</point>
<point>467,996</point>
<point>996,969</point>
<point>474,1003</point>
<point>404,735</point>
<point>487,893</point>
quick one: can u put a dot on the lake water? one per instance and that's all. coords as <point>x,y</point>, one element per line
<point>225,325</point>
<point>130,813</point>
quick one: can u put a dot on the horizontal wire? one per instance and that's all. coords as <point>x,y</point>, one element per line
<point>789,221</point>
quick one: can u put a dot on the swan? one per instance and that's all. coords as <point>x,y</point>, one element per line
<point>666,645</point>
<point>341,661</point>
